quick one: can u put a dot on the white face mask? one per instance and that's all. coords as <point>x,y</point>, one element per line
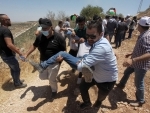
<point>45,33</point>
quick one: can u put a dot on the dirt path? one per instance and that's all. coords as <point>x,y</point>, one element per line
<point>36,97</point>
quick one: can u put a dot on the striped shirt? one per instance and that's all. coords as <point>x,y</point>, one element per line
<point>142,47</point>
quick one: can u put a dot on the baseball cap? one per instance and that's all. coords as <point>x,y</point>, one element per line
<point>45,22</point>
<point>144,21</point>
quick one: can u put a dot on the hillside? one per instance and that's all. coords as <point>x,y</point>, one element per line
<point>144,13</point>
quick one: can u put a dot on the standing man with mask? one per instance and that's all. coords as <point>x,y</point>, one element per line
<point>49,43</point>
<point>8,51</point>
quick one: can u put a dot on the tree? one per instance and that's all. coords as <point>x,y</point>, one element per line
<point>120,15</point>
<point>61,15</point>
<point>51,16</point>
<point>89,11</point>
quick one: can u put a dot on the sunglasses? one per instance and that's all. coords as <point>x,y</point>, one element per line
<point>90,36</point>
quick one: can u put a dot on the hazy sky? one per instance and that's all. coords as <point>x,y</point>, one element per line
<point>28,10</point>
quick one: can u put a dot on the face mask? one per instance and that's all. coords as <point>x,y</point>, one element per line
<point>45,33</point>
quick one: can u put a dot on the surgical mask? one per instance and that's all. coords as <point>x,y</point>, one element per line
<point>45,33</point>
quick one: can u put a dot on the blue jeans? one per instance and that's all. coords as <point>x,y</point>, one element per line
<point>139,84</point>
<point>14,68</point>
<point>71,60</point>
<point>127,72</point>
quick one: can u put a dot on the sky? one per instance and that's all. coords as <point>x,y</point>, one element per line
<point>32,10</point>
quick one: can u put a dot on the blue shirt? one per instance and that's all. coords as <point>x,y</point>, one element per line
<point>103,59</point>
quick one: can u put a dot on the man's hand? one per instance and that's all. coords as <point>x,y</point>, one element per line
<point>73,34</point>
<point>78,62</point>
<point>73,41</point>
<point>22,58</point>
<point>81,40</point>
<point>59,58</point>
<point>127,63</point>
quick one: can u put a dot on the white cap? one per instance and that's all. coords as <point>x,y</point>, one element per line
<point>128,14</point>
<point>144,21</point>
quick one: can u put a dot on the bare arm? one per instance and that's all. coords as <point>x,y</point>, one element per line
<point>142,58</point>
<point>11,46</point>
<point>32,48</point>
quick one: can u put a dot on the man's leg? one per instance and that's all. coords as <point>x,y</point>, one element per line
<point>124,79</point>
<point>15,70</point>
<point>103,91</point>
<point>71,60</point>
<point>84,87</point>
<point>139,84</point>
<point>52,73</point>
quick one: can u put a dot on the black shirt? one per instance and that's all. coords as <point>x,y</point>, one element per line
<point>49,46</point>
<point>4,50</point>
<point>122,27</point>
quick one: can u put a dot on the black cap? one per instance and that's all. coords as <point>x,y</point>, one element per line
<point>45,22</point>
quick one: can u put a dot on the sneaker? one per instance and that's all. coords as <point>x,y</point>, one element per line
<point>121,86</point>
<point>21,85</point>
<point>136,104</point>
<point>88,73</point>
<point>37,66</point>
<point>97,104</point>
<point>85,105</point>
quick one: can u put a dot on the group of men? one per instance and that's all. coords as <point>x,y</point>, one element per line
<point>117,27</point>
<point>97,63</point>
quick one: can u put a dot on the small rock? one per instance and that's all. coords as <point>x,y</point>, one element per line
<point>135,108</point>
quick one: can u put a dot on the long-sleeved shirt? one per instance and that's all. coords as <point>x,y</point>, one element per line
<point>103,59</point>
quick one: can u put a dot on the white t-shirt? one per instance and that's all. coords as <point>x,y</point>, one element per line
<point>57,30</point>
<point>83,49</point>
<point>73,46</point>
<point>104,22</point>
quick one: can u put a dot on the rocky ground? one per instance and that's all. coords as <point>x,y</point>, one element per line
<point>36,97</point>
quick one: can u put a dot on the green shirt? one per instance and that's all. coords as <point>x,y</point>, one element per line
<point>81,33</point>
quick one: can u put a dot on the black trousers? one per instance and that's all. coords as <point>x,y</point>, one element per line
<point>103,90</point>
<point>119,37</point>
<point>130,33</point>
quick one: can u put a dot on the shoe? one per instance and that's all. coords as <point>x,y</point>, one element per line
<point>136,104</point>
<point>53,95</point>
<point>121,86</point>
<point>88,73</point>
<point>97,104</point>
<point>85,105</point>
<point>37,66</point>
<point>21,85</point>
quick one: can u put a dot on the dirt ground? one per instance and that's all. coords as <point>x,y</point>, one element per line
<point>36,97</point>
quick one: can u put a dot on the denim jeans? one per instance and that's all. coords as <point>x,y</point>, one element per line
<point>14,68</point>
<point>139,84</point>
<point>103,90</point>
<point>127,72</point>
<point>71,60</point>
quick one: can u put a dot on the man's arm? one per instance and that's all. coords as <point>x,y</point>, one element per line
<point>11,46</point>
<point>32,48</point>
<point>96,56</point>
<point>142,58</point>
